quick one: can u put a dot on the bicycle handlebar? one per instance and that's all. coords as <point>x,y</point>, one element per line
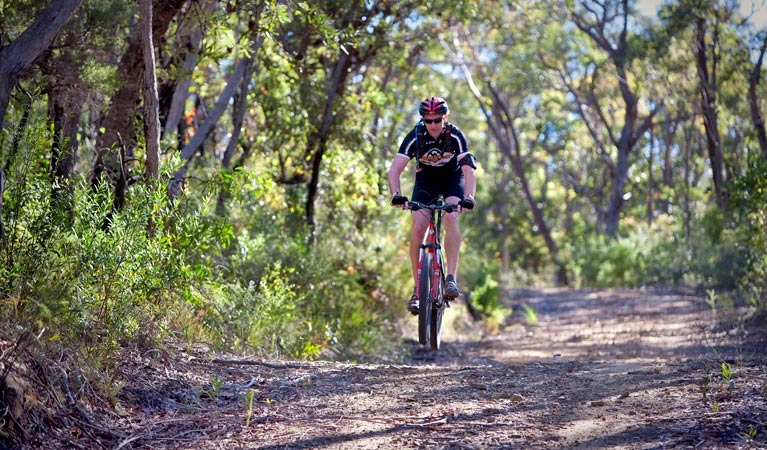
<point>447,207</point>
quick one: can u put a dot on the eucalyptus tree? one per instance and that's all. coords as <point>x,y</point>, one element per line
<point>722,82</point>
<point>507,95</point>
<point>19,54</point>
<point>754,80</point>
<point>185,45</point>
<point>238,79</point>
<point>328,44</point>
<point>151,100</point>
<point>115,146</point>
<point>615,126</point>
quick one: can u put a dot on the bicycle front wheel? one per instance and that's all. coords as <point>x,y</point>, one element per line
<point>424,298</point>
<point>435,329</point>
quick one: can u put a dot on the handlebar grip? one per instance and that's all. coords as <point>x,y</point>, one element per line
<point>397,200</point>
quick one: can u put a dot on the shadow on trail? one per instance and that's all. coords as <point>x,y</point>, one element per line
<point>628,374</point>
<point>584,325</point>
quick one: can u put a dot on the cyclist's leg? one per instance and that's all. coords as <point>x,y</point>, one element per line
<point>423,193</point>
<point>452,238</point>
<point>420,225</point>
<point>453,194</point>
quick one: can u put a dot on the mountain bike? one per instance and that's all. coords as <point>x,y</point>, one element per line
<point>430,289</point>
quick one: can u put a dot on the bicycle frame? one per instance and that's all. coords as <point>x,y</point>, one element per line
<point>431,302</point>
<point>432,244</point>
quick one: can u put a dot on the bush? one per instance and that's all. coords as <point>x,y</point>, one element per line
<point>749,220</point>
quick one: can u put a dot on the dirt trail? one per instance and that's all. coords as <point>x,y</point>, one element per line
<point>601,369</point>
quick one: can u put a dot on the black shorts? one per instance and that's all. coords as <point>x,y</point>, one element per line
<point>432,185</point>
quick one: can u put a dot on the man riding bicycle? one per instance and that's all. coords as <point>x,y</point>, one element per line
<point>444,167</point>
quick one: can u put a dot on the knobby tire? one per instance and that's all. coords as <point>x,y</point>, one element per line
<point>435,329</point>
<point>424,298</point>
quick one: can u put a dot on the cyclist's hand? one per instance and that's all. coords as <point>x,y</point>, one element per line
<point>398,200</point>
<point>467,204</point>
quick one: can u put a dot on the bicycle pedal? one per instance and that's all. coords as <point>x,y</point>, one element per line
<point>442,304</point>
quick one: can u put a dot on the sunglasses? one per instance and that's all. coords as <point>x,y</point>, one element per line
<point>432,120</point>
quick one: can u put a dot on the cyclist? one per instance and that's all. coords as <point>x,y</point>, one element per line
<point>444,167</point>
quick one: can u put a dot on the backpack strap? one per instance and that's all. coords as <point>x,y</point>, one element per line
<point>449,137</point>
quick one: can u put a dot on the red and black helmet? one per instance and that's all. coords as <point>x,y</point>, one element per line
<point>433,105</point>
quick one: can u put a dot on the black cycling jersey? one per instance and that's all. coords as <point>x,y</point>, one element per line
<point>438,173</point>
<point>435,157</point>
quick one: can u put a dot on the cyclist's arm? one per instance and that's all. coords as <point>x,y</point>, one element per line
<point>398,164</point>
<point>470,181</point>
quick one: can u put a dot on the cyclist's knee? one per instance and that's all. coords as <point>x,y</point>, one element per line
<point>419,228</point>
<point>451,219</point>
<point>420,222</point>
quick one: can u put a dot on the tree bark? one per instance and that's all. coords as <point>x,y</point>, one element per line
<point>756,115</point>
<point>668,164</point>
<point>151,101</point>
<point>21,53</point>
<point>708,87</point>
<point>66,97</point>
<point>65,105</point>
<point>118,121</point>
<point>651,181</point>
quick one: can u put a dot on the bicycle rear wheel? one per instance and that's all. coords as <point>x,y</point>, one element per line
<point>424,299</point>
<point>435,329</point>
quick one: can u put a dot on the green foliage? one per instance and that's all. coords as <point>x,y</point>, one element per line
<point>482,285</point>
<point>602,262</point>
<point>531,316</point>
<point>254,276</point>
<point>749,195</point>
<point>254,282</point>
<point>661,254</point>
<point>751,434</point>
<point>249,406</point>
<point>728,373</point>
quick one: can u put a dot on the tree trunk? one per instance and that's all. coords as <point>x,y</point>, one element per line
<point>238,113</point>
<point>707,80</point>
<point>651,181</point>
<point>21,53</point>
<point>668,165</point>
<point>191,37</point>
<point>319,141</point>
<point>617,192</point>
<point>151,101</point>
<point>756,115</point>
<point>625,145</point>
<point>222,103</point>
<point>118,121</point>
<point>65,106</point>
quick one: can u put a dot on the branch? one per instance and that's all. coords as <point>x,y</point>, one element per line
<point>580,109</point>
<point>22,52</point>
<point>221,104</point>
